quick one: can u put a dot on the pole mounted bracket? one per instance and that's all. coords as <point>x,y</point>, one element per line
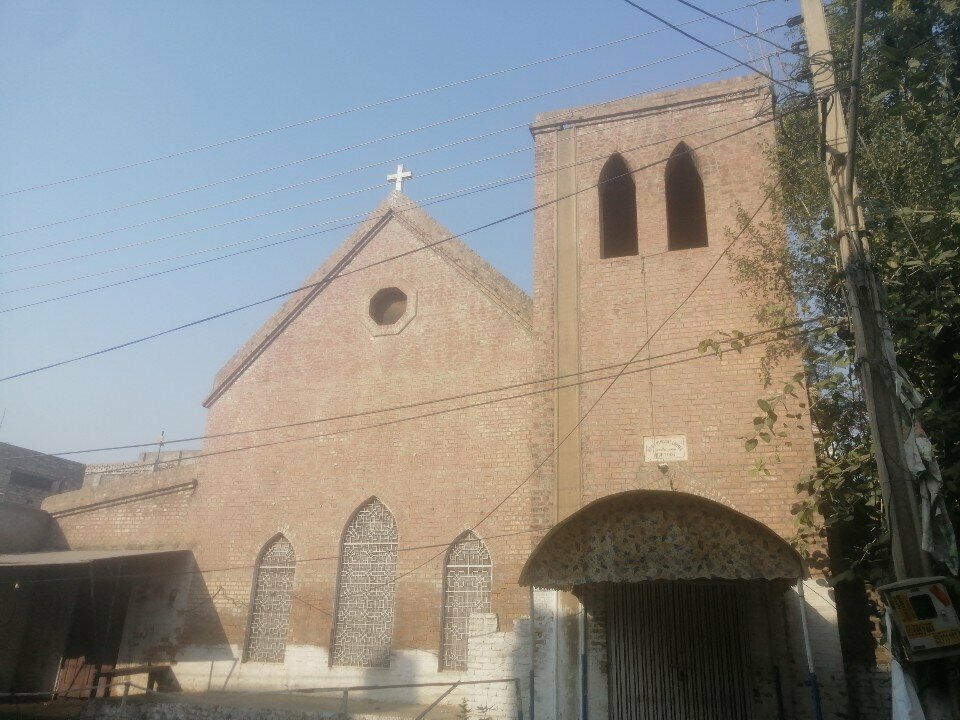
<point>822,140</point>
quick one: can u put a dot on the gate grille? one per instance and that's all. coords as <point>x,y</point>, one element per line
<point>677,652</point>
<point>466,590</point>
<point>272,597</point>
<point>368,562</point>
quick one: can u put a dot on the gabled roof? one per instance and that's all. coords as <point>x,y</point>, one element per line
<point>396,207</point>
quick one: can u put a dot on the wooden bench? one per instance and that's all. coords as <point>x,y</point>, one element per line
<point>158,677</point>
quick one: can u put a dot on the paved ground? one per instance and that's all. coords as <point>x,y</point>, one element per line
<point>360,707</point>
<point>61,709</point>
<point>358,704</point>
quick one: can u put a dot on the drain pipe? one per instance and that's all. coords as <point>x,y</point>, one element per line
<point>811,671</point>
<point>533,649</point>
<point>583,662</point>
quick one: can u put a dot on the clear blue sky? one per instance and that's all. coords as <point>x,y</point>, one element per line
<point>86,86</point>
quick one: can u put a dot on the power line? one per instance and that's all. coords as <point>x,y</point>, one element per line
<point>457,409</point>
<point>633,358</point>
<point>348,111</point>
<point>707,45</point>
<point>234,568</point>
<point>327,177</point>
<point>557,446</point>
<point>445,411</point>
<point>434,545</point>
<point>436,401</point>
<point>438,198</point>
<point>322,178</point>
<point>757,35</point>
<point>327,280</point>
<point>227,223</point>
<point>443,197</point>
<point>613,380</point>
<point>355,146</point>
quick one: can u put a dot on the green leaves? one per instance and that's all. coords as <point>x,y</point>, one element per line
<point>909,178</point>
<point>735,340</point>
<point>769,430</point>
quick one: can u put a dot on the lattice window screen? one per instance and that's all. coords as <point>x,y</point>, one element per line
<point>466,590</point>
<point>270,616</point>
<point>368,563</point>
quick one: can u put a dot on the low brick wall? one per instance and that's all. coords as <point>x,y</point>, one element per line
<point>145,512</point>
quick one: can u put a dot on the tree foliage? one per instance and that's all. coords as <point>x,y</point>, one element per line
<point>909,179</point>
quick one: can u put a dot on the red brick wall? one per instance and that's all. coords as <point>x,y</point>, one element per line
<point>140,512</point>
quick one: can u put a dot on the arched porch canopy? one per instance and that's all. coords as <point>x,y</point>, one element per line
<point>657,535</point>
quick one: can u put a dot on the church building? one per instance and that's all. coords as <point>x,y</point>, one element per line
<point>415,474</point>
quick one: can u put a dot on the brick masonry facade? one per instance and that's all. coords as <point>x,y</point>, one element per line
<point>710,401</point>
<point>27,477</point>
<point>465,331</point>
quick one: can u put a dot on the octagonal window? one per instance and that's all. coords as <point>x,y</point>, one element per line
<point>388,305</point>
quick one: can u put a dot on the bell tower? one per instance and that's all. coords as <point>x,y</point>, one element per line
<point>640,200</point>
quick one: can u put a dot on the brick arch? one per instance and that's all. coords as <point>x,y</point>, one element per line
<point>617,195</point>
<point>645,535</point>
<point>705,158</point>
<point>280,530</point>
<point>685,200</point>
<point>650,479</point>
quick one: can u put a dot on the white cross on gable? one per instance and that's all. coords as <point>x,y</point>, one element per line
<point>398,177</point>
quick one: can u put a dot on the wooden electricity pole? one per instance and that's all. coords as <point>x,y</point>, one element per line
<point>875,357</point>
<point>876,362</point>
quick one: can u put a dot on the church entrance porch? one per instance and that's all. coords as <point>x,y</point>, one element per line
<point>682,611</point>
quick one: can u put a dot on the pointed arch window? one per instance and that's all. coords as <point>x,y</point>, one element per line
<point>363,627</point>
<point>686,208</point>
<point>618,209</point>
<point>272,595</point>
<point>467,577</point>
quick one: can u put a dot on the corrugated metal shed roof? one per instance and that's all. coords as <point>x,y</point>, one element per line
<point>75,557</point>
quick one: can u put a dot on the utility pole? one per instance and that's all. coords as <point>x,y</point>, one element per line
<point>876,359</point>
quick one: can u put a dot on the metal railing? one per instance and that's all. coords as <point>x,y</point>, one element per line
<point>67,694</point>
<point>344,692</point>
<point>450,687</point>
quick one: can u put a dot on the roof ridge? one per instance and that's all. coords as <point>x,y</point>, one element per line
<point>516,303</point>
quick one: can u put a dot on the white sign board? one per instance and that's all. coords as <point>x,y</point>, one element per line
<point>665,448</point>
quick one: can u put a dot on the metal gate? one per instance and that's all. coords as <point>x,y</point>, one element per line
<point>677,651</point>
